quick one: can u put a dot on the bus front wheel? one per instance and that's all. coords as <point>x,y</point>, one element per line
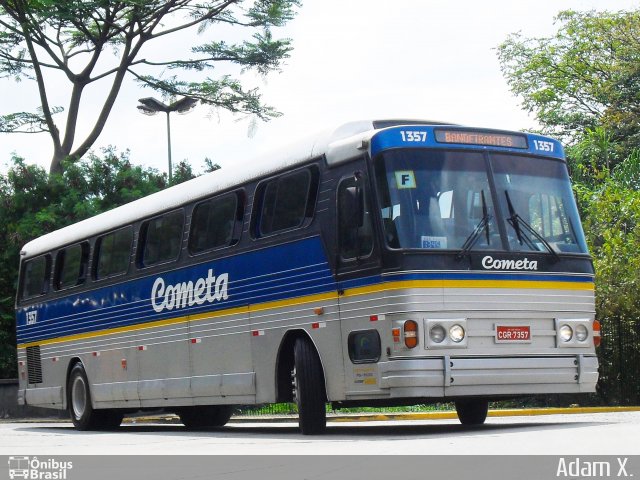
<point>82,413</point>
<point>472,411</point>
<point>308,388</point>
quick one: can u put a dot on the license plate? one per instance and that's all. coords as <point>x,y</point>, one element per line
<point>513,334</point>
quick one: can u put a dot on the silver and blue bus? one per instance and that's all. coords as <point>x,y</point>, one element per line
<point>382,263</point>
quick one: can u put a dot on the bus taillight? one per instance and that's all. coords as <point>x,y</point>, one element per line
<point>410,334</point>
<point>596,333</point>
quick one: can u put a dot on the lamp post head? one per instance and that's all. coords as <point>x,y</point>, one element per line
<point>151,106</point>
<point>184,105</point>
<point>146,110</point>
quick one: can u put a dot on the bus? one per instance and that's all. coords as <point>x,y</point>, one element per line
<point>382,263</point>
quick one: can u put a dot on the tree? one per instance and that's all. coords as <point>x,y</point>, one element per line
<point>585,76</point>
<point>93,40</point>
<point>611,217</point>
<point>583,84</point>
<point>33,202</point>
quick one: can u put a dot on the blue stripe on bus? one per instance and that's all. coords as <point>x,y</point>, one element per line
<point>276,273</point>
<point>282,272</point>
<point>539,277</point>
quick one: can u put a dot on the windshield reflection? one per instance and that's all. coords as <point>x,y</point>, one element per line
<point>538,191</point>
<point>436,199</point>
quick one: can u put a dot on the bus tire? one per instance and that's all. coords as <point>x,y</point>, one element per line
<point>211,416</point>
<point>109,419</point>
<point>472,411</point>
<point>82,413</point>
<point>309,389</point>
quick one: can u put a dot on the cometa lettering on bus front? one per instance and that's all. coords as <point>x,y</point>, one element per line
<point>209,289</point>
<point>490,263</point>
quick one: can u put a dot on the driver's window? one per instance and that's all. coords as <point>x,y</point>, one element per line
<point>355,238</point>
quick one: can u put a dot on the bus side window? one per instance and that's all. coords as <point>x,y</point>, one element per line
<point>355,240</point>
<point>287,201</point>
<point>36,276</point>
<point>213,223</point>
<point>71,266</point>
<point>162,238</point>
<point>113,253</point>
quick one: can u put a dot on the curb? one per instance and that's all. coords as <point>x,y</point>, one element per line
<point>451,415</point>
<point>356,417</point>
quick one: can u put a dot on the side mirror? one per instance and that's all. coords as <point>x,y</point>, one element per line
<point>353,204</point>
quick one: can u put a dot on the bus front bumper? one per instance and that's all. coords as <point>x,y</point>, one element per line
<point>453,376</point>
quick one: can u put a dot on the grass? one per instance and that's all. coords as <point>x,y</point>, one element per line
<point>528,402</point>
<point>291,409</point>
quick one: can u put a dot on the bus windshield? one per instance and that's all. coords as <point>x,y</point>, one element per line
<point>438,199</point>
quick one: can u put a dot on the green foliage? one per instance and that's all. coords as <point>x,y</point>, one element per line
<point>25,122</point>
<point>627,173</point>
<point>609,201</point>
<point>209,166</point>
<point>182,172</point>
<point>583,84</point>
<point>585,76</point>
<point>33,202</point>
<point>8,362</point>
<point>611,216</point>
<point>590,159</point>
<point>74,37</point>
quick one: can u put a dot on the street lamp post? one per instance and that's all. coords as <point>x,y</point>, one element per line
<point>151,106</point>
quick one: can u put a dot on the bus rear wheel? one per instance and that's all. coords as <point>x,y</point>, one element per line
<point>82,413</point>
<point>206,416</point>
<point>472,411</point>
<point>308,388</point>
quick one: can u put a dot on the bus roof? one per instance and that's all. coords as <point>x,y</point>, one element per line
<point>337,145</point>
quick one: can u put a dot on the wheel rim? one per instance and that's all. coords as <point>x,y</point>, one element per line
<point>78,397</point>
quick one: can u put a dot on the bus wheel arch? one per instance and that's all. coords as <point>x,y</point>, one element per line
<point>80,404</point>
<point>285,363</point>
<point>72,363</point>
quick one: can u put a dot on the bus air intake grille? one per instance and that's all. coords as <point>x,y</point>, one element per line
<point>34,364</point>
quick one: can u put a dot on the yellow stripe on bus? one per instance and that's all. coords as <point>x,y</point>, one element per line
<point>502,284</point>
<point>384,287</point>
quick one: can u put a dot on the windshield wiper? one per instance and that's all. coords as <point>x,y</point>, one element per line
<point>519,224</point>
<point>475,234</point>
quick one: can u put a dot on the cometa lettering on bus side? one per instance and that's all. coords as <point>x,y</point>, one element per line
<point>490,263</point>
<point>209,289</point>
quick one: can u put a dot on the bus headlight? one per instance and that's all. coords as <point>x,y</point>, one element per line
<point>581,333</point>
<point>566,333</point>
<point>456,333</point>
<point>573,332</point>
<point>446,333</point>
<point>437,334</point>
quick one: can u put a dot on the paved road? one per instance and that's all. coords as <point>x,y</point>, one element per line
<point>584,434</point>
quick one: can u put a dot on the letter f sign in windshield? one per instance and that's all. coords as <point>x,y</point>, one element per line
<point>405,179</point>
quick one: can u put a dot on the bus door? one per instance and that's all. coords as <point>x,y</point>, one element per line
<point>358,269</point>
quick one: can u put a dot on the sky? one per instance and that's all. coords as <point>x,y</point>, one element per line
<point>352,60</point>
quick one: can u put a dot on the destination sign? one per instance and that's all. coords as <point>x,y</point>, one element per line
<point>492,139</point>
